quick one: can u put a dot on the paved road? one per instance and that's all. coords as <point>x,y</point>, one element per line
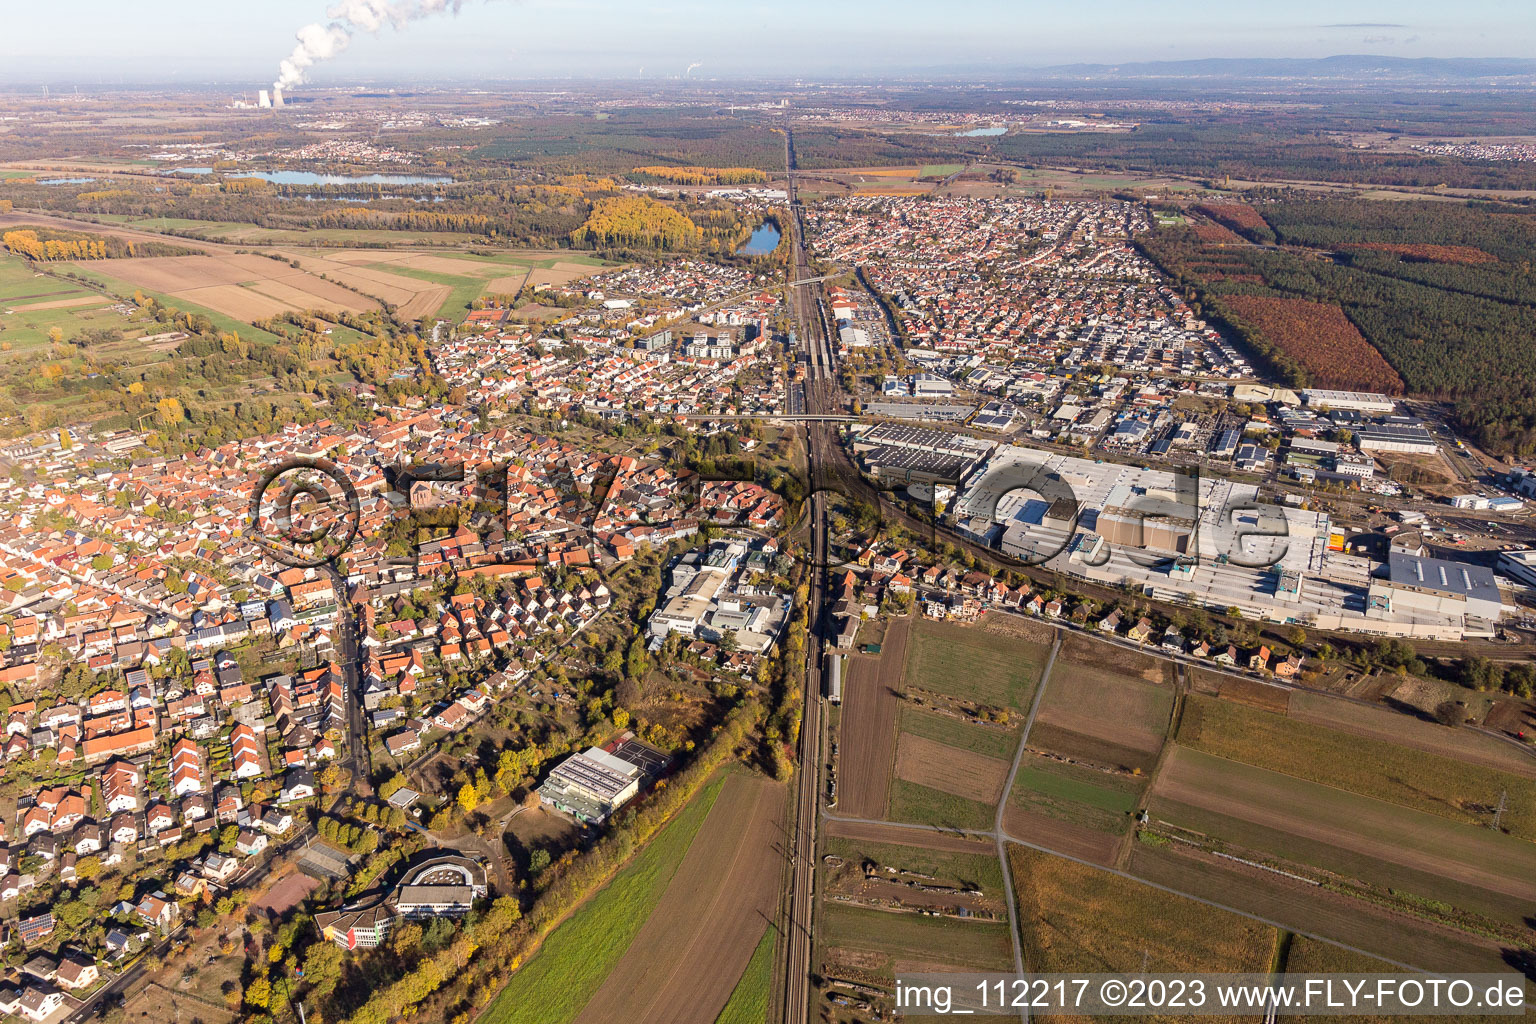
<point>357,758</point>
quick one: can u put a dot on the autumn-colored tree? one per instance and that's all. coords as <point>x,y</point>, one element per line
<point>170,411</point>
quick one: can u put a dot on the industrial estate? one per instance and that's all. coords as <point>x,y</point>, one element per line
<point>694,550</point>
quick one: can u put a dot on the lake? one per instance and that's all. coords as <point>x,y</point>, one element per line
<point>976,132</point>
<point>765,239</point>
<point>311,178</point>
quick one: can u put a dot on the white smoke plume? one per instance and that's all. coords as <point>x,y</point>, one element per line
<point>319,42</point>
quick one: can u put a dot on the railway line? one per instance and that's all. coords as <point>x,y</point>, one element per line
<point>799,928</point>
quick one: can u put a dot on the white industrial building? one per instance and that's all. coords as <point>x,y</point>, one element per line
<point>1355,401</point>
<point>1519,566</point>
<point>1209,542</point>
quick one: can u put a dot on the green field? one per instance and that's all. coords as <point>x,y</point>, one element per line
<point>924,806</point>
<point>982,945</point>
<point>983,739</point>
<point>1369,767</point>
<point>749,1000</point>
<point>970,663</point>
<point>553,986</point>
<point>1076,794</point>
<point>28,329</point>
<point>939,170</point>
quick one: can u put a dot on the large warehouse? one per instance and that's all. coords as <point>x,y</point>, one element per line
<point>1413,582</point>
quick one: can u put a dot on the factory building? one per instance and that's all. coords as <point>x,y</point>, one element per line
<point>1408,583</point>
<point>1355,401</point>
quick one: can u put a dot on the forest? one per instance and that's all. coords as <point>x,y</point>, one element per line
<point>1454,331</point>
<point>636,221</point>
<point>700,175</point>
<point>1260,152</point>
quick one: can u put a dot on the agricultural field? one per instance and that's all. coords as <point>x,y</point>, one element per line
<point>1309,956</point>
<point>1451,788</point>
<point>881,942</point>
<point>1394,727</point>
<point>1076,794</point>
<point>1110,719</point>
<point>440,284</point>
<point>974,664</point>
<point>31,304</point>
<point>749,999</point>
<point>987,740</point>
<point>682,965</point>
<point>1321,338</point>
<point>867,724</point>
<point>557,981</point>
<point>1077,918</point>
<point>1314,910</point>
<point>1387,846</point>
<point>950,769</point>
<point>246,287</point>
<point>924,805</point>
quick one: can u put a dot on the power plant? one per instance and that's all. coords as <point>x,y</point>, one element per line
<point>263,100</point>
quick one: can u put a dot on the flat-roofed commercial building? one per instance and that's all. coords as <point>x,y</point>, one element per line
<point>1414,582</point>
<point>1356,401</point>
<point>591,785</point>
<point>1397,434</point>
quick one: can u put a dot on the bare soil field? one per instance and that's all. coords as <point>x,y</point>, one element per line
<point>1121,709</point>
<point>870,709</point>
<point>1395,727</point>
<point>684,962</point>
<point>331,297</point>
<point>1047,736</point>
<point>1101,654</point>
<point>1253,692</point>
<point>506,285</point>
<point>215,282</point>
<point>950,769</point>
<point>233,300</point>
<point>1371,829</point>
<point>946,842</point>
<point>1316,911</point>
<point>1060,836</point>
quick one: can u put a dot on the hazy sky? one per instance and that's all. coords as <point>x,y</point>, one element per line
<point>238,40</point>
